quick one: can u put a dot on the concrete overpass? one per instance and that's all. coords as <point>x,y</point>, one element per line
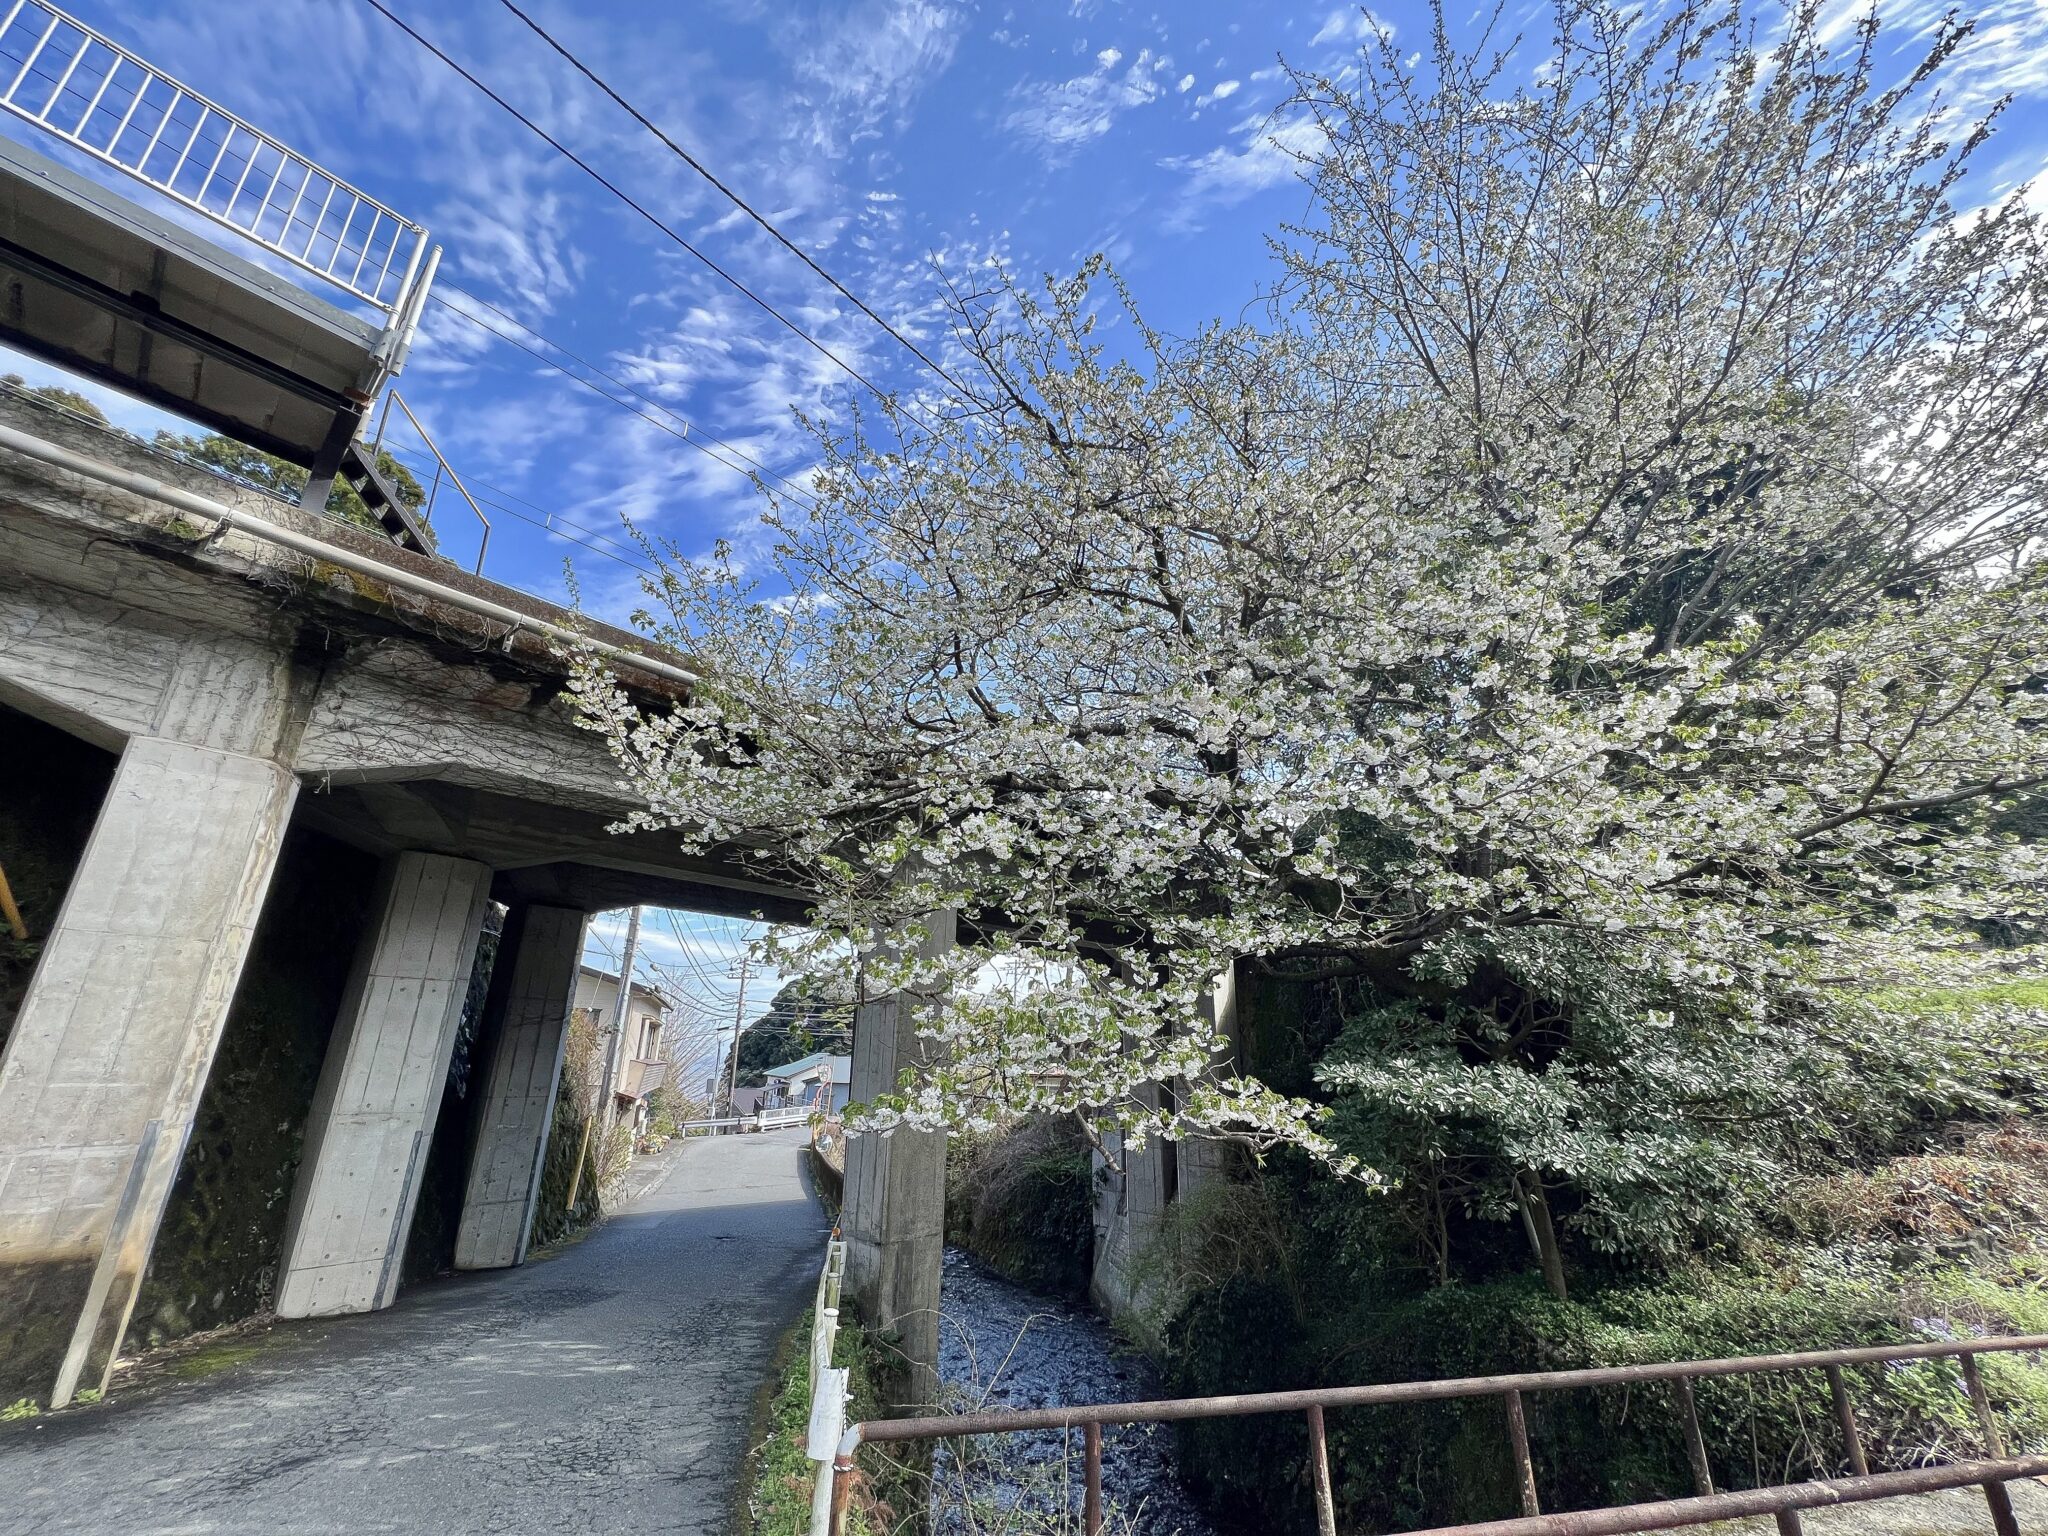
<point>250,688</point>
<point>247,676</point>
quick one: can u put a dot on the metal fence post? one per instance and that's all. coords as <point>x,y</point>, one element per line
<point>1091,1495</point>
<point>1525,1467</point>
<point>1319,1468</point>
<point>1845,1415</point>
<point>1996,1494</point>
<point>1695,1442</point>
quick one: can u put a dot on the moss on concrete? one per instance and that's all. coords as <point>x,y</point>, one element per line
<point>217,1250</point>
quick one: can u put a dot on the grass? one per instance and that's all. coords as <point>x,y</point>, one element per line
<point>212,1359</point>
<point>778,1499</point>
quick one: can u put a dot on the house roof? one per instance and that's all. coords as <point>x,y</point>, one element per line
<point>649,997</point>
<point>842,1066</point>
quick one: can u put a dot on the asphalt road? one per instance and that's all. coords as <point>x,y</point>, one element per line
<point>608,1386</point>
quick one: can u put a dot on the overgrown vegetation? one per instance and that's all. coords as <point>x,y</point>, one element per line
<point>1894,1221</point>
<point>1023,1199</point>
<point>569,1198</point>
<point>781,1476</point>
<point>268,472</point>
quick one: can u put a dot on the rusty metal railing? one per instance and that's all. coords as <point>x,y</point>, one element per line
<point>1783,1502</point>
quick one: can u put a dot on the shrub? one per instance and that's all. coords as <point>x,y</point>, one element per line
<point>1299,1321</point>
<point>1024,1201</point>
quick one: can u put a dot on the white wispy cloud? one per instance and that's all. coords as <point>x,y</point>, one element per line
<point>1349,24</point>
<point>868,63</point>
<point>1062,115</point>
<point>1264,154</point>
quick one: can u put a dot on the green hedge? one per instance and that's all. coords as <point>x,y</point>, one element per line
<point>1421,1465</point>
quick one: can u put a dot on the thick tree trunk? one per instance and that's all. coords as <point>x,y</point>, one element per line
<point>1542,1233</point>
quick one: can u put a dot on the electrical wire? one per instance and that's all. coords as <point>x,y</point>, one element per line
<point>734,198</point>
<point>551,522</point>
<point>625,197</point>
<point>687,429</point>
<point>595,540</point>
<point>689,433</point>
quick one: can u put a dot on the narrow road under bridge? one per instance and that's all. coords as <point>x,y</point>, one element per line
<point>610,1386</point>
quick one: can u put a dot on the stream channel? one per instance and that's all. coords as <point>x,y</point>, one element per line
<point>1001,1346</point>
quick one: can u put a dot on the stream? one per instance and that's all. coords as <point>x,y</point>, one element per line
<point>1001,1346</point>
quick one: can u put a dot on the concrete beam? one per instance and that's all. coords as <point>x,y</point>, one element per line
<point>380,1090</point>
<point>111,1047</point>
<point>894,1215</point>
<point>532,988</point>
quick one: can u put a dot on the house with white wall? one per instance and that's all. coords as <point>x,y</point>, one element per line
<point>639,1059</point>
<point>819,1079</point>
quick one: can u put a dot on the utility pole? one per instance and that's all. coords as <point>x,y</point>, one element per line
<point>739,1016</point>
<point>609,1043</point>
<point>616,1042</point>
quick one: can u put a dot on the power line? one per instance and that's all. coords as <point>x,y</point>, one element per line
<point>733,197</point>
<point>623,196</point>
<point>690,434</point>
<point>552,522</point>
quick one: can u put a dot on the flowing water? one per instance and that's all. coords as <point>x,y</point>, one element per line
<point>1003,1347</point>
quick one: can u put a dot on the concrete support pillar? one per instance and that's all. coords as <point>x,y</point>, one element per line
<point>1130,1205</point>
<point>1128,1208</point>
<point>894,1217</point>
<point>528,1019</point>
<point>1205,1159</point>
<point>380,1089</point>
<point>111,1047</point>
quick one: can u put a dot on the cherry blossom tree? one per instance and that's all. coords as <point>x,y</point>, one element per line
<point>1599,597</point>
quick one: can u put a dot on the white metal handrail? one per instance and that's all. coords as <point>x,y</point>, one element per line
<point>828,1385</point>
<point>80,85</point>
<point>760,1120</point>
<point>441,467</point>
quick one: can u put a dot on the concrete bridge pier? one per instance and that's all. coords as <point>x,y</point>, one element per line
<point>237,685</point>
<point>1130,1206</point>
<point>532,987</point>
<point>380,1089</point>
<point>111,1047</point>
<point>894,1217</point>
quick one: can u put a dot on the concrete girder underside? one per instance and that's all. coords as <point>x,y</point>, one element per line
<point>440,742</point>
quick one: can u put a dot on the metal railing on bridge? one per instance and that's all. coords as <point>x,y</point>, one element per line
<point>1705,1507</point>
<point>760,1120</point>
<point>80,85</point>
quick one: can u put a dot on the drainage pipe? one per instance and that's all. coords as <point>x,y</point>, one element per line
<point>334,554</point>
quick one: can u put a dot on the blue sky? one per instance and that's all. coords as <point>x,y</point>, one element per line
<point>883,136</point>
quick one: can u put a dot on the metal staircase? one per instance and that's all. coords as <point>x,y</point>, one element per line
<point>359,471</point>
